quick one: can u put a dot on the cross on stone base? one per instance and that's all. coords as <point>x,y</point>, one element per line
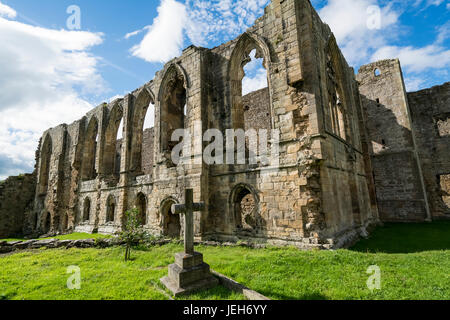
<point>189,273</point>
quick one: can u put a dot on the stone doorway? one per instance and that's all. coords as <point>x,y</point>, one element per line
<point>171,222</point>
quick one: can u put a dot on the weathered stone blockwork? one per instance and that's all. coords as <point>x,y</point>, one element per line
<point>336,139</point>
<point>430,113</point>
<point>16,199</point>
<point>410,147</point>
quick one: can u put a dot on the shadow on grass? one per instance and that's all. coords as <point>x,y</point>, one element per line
<point>407,238</point>
<point>309,296</point>
<point>216,293</point>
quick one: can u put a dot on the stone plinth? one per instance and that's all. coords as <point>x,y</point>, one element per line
<point>188,274</point>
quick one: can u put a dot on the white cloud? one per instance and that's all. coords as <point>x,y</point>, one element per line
<point>6,11</point>
<point>348,19</point>
<point>416,59</point>
<point>259,81</point>
<point>135,33</point>
<point>42,71</point>
<point>201,21</point>
<point>443,33</point>
<point>164,39</point>
<point>255,75</point>
<point>221,20</point>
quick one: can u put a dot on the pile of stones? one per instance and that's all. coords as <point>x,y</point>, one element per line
<point>7,247</point>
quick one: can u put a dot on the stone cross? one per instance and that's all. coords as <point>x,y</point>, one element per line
<point>188,209</point>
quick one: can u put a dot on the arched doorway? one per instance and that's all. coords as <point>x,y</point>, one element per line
<point>111,209</point>
<point>244,206</point>
<point>171,225</point>
<point>141,205</point>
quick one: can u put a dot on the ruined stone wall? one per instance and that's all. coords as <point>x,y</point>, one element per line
<point>396,169</point>
<point>430,112</point>
<point>257,110</point>
<point>294,200</point>
<point>16,199</point>
<point>346,206</point>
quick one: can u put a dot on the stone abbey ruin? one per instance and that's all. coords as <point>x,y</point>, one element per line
<point>355,150</point>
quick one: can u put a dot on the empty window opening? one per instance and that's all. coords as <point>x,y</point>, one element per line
<point>244,203</point>
<point>88,168</point>
<point>173,109</point>
<point>336,101</point>
<point>142,133</point>
<point>111,209</point>
<point>47,222</point>
<point>444,127</point>
<point>148,137</point>
<point>113,137</point>
<point>250,96</point>
<point>87,210</point>
<point>377,72</point>
<point>444,183</point>
<point>44,171</point>
<point>118,151</point>
<point>141,206</point>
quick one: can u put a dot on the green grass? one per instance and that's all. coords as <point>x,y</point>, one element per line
<point>72,236</point>
<point>414,262</point>
<point>408,238</point>
<point>104,275</point>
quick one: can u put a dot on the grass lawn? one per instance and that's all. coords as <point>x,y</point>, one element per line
<point>414,262</point>
<point>72,236</point>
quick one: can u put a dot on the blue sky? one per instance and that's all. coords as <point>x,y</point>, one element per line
<point>52,75</point>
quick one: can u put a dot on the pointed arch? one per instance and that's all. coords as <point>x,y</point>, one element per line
<point>89,155</point>
<point>141,205</point>
<point>44,169</point>
<point>86,210</point>
<point>170,222</point>
<point>173,105</point>
<point>173,67</point>
<point>244,204</point>
<point>46,222</point>
<point>143,100</point>
<point>240,56</point>
<point>337,99</point>
<point>110,142</point>
<point>111,207</point>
